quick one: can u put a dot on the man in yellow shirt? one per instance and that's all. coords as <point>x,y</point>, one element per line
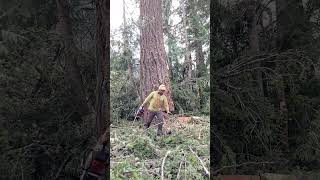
<point>157,100</point>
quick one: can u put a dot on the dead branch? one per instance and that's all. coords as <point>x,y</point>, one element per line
<point>162,166</point>
<point>207,172</point>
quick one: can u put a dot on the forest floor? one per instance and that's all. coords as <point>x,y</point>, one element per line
<point>139,154</point>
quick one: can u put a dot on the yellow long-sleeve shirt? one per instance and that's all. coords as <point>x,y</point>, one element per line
<point>156,102</point>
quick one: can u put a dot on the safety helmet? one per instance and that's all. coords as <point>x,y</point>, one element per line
<point>162,87</point>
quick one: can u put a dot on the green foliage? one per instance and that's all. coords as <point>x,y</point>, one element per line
<point>142,148</point>
<point>137,154</point>
<point>124,98</point>
<point>38,124</point>
<point>246,102</point>
<point>125,170</point>
<point>192,96</point>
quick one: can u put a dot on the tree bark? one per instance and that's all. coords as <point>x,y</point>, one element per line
<point>200,65</point>
<point>201,71</point>
<point>153,66</point>
<point>72,71</point>
<point>167,31</point>
<point>126,51</point>
<point>187,60</point>
<point>102,66</point>
<point>102,123</point>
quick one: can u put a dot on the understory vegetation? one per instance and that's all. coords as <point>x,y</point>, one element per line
<point>265,83</point>
<point>139,154</point>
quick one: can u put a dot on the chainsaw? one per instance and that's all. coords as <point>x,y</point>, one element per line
<point>139,113</point>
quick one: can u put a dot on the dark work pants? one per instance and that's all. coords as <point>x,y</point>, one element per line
<point>150,118</point>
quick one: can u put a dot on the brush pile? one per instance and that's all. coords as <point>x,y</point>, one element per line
<point>139,154</point>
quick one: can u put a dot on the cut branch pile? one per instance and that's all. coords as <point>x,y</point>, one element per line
<point>136,153</point>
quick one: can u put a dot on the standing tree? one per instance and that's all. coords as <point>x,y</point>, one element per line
<point>102,122</point>
<point>72,71</point>
<point>187,57</point>
<point>153,64</point>
<point>127,54</point>
<point>102,68</point>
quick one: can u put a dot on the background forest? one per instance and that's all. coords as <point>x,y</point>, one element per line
<point>186,40</point>
<point>160,42</point>
<point>52,75</point>
<point>52,79</point>
<point>266,88</point>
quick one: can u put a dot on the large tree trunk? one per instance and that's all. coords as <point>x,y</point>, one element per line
<point>72,71</point>
<point>103,66</point>
<point>201,71</point>
<point>126,51</point>
<point>200,65</point>
<point>102,123</point>
<point>166,17</point>
<point>187,56</point>
<point>153,65</point>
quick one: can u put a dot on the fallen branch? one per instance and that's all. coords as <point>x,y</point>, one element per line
<point>178,175</point>
<point>243,164</point>
<point>207,172</point>
<point>144,132</point>
<point>63,165</point>
<point>162,166</point>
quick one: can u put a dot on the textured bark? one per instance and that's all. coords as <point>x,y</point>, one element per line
<point>187,56</point>
<point>201,70</point>
<point>102,67</point>
<point>153,65</point>
<point>166,16</point>
<point>72,71</point>
<point>102,122</point>
<point>201,67</point>
<point>126,50</point>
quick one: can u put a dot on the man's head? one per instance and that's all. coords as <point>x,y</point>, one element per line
<point>162,89</point>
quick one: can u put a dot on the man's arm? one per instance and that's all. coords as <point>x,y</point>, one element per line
<point>147,99</point>
<point>166,104</point>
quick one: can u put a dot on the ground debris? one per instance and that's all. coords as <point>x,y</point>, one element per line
<point>139,155</point>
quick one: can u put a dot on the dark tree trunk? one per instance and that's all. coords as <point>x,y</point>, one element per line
<point>72,71</point>
<point>102,122</point>
<point>291,29</point>
<point>103,67</point>
<point>153,65</point>
<point>201,71</point>
<point>216,148</point>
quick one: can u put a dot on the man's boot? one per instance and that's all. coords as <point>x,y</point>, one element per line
<point>159,132</point>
